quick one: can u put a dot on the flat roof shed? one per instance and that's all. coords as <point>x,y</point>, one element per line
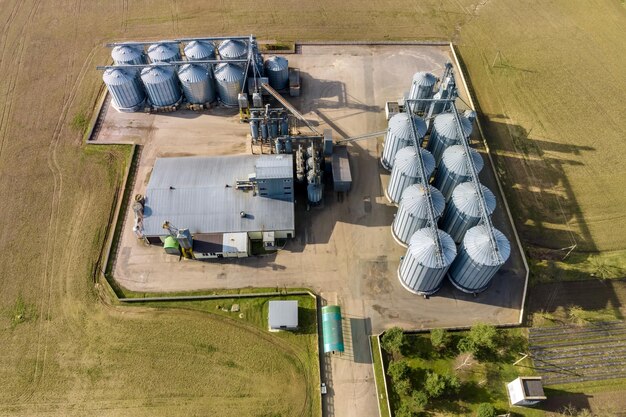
<point>283,315</point>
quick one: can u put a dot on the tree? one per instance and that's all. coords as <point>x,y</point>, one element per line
<point>398,370</point>
<point>481,341</point>
<point>393,340</point>
<point>436,385</point>
<point>485,410</point>
<point>440,339</point>
<point>404,410</point>
<point>402,386</point>
<point>418,401</point>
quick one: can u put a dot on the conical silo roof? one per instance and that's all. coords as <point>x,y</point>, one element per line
<point>455,159</point>
<point>445,125</point>
<point>163,52</point>
<point>414,201</point>
<point>190,73</point>
<point>466,198</point>
<point>425,79</point>
<point>477,246</point>
<point>116,76</point>
<point>199,50</point>
<point>156,74</point>
<point>276,63</point>
<point>125,53</point>
<point>233,49</point>
<point>399,126</point>
<point>228,72</point>
<point>406,161</point>
<point>423,247</point>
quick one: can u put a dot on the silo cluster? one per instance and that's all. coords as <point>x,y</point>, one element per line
<point>164,86</point>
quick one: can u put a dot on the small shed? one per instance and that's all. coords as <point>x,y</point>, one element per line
<point>332,333</point>
<point>283,315</point>
<point>525,391</point>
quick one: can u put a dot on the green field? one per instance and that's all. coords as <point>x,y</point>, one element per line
<point>553,109</point>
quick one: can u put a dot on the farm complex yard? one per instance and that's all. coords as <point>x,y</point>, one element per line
<point>549,79</point>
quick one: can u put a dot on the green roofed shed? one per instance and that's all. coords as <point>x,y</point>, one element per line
<point>331,329</point>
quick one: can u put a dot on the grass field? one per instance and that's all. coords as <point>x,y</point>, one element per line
<point>554,113</point>
<point>379,374</point>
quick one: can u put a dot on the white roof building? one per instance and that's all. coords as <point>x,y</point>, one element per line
<point>526,390</point>
<point>283,315</point>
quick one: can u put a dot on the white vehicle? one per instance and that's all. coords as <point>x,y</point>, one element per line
<point>323,388</point>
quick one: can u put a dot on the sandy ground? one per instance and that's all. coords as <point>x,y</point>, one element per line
<point>343,250</point>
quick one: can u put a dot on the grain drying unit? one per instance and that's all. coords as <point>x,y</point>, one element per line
<point>406,172</point>
<point>125,88</point>
<point>412,213</point>
<point>199,50</point>
<point>197,83</point>
<point>277,71</point>
<point>229,80</point>
<point>445,134</point>
<point>463,211</point>
<point>128,55</point>
<point>421,88</point>
<point>161,85</point>
<point>453,168</point>
<point>398,136</point>
<point>425,264</point>
<point>479,259</point>
<point>164,52</point>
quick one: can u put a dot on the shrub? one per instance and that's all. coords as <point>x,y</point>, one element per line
<point>393,340</point>
<point>485,410</point>
<point>440,339</point>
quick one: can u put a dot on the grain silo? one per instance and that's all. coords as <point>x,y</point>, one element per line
<point>277,71</point>
<point>197,83</point>
<point>445,133</point>
<point>233,49</point>
<point>199,51</point>
<point>399,136</point>
<point>477,263</point>
<point>128,55</point>
<point>422,87</point>
<point>164,52</point>
<point>125,88</point>
<point>453,169</point>
<point>229,79</point>
<point>463,211</point>
<point>161,85</point>
<point>423,268</point>
<point>413,214</point>
<point>406,172</point>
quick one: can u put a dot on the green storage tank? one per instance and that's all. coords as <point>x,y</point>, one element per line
<point>332,332</point>
<point>171,246</point>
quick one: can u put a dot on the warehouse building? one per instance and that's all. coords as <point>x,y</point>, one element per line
<point>225,202</point>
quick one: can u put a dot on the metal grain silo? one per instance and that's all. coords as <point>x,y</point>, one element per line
<point>128,55</point>
<point>445,134</point>
<point>453,169</point>
<point>233,49</point>
<point>125,88</point>
<point>476,263</point>
<point>405,171</point>
<point>197,83</point>
<point>161,85</point>
<point>277,71</point>
<point>412,213</point>
<point>164,52</point>
<point>463,210</point>
<point>199,50</point>
<point>229,79</point>
<point>419,270</point>
<point>399,136</point>
<point>422,87</point>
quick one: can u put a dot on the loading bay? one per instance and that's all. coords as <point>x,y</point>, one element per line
<point>343,250</point>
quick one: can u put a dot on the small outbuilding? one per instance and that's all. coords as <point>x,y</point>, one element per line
<point>525,391</point>
<point>332,332</point>
<point>283,315</point>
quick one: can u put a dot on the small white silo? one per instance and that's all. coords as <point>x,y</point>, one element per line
<point>445,133</point>
<point>405,171</point>
<point>422,86</point>
<point>399,136</point>
<point>422,270</point>
<point>125,88</point>
<point>453,169</point>
<point>463,211</point>
<point>476,264</point>
<point>412,212</point>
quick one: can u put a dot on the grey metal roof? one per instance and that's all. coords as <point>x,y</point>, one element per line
<point>341,164</point>
<point>191,192</point>
<point>283,313</point>
<point>424,247</point>
<point>274,166</point>
<point>476,243</point>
